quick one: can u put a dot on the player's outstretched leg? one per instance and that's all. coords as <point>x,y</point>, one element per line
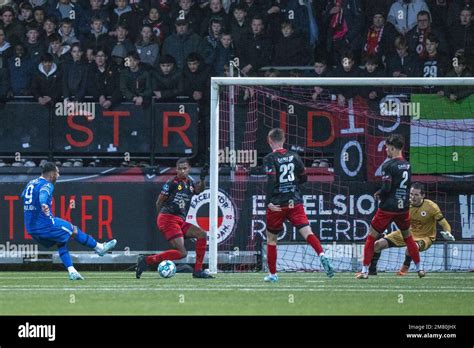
<point>368,253</point>
<point>312,240</point>
<point>67,262</point>
<point>100,248</point>
<point>177,253</point>
<point>271,257</point>
<point>413,251</point>
<point>201,243</point>
<point>406,265</point>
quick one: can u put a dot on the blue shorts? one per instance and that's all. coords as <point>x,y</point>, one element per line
<point>59,233</point>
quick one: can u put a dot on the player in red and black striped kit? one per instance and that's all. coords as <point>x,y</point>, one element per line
<point>172,206</point>
<point>394,204</point>
<point>285,172</point>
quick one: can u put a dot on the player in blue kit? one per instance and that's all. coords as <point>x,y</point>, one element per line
<point>48,230</point>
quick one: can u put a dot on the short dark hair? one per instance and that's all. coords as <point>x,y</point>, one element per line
<point>396,140</point>
<point>372,59</point>
<point>7,9</point>
<point>277,135</point>
<point>134,55</point>
<point>54,37</point>
<point>46,57</point>
<point>182,160</point>
<point>419,186</point>
<point>423,13</point>
<point>66,21</point>
<point>194,57</point>
<point>433,38</point>
<point>167,59</point>
<point>48,167</point>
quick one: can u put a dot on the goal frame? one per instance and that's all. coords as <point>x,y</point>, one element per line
<point>217,82</point>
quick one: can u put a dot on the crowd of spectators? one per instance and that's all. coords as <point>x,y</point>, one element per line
<point>115,50</point>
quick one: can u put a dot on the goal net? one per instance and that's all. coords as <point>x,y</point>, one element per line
<point>338,127</point>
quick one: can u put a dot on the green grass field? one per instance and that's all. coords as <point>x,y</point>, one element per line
<point>119,293</point>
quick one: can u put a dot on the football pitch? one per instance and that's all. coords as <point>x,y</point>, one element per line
<point>119,293</point>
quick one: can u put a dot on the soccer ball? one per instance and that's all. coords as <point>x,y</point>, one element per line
<point>167,269</point>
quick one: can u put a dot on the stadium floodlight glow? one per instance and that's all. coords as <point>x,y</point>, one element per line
<point>217,82</point>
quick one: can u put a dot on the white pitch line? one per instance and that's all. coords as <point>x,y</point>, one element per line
<point>249,289</point>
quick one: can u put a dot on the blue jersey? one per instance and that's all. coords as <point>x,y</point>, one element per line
<point>35,219</point>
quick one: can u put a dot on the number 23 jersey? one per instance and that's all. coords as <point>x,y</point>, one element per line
<point>283,169</point>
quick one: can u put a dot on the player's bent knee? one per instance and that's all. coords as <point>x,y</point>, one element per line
<point>380,245</point>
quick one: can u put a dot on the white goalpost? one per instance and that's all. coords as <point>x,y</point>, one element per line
<point>217,82</point>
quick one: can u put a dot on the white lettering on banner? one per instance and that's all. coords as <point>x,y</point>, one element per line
<point>466,210</point>
<point>344,163</point>
<point>37,331</point>
<point>351,129</point>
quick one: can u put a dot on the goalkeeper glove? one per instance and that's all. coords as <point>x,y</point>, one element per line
<point>447,235</point>
<point>204,172</point>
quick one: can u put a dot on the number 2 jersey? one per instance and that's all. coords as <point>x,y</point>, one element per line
<point>284,169</point>
<point>395,192</point>
<point>34,217</point>
<point>179,193</point>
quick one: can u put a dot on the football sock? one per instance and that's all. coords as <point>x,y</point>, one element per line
<point>412,249</point>
<point>375,260</point>
<point>407,260</point>
<point>85,239</point>
<point>64,255</point>
<point>272,258</point>
<point>368,250</point>
<point>200,251</point>
<point>165,255</point>
<point>315,243</point>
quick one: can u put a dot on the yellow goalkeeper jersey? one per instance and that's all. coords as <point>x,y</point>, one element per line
<point>423,219</point>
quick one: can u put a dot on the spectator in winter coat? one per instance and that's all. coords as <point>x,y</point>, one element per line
<point>49,27</point>
<point>158,23</point>
<point>46,84</point>
<point>20,68</point>
<point>461,34</point>
<point>344,20</point>
<point>125,15</point>
<point>180,44</point>
<point>214,11</point>
<point>147,47</point>
<point>167,80</point>
<point>348,69</point>
<point>97,10</point>
<point>460,69</point>
<point>135,82</point>
<point>416,37</point>
<point>254,49</point>
<point>66,9</point>
<point>291,48</point>
<point>191,12</point>
<point>5,47</point>
<point>34,47</point>
<point>380,36</point>
<point>372,93</point>
<point>104,81</point>
<point>120,45</point>
<point>239,24</point>
<point>320,69</point>
<point>403,63</point>
<point>403,14</point>
<point>59,52</point>
<point>14,31</point>
<point>75,75</point>
<point>225,52</point>
<point>98,36</point>
<point>67,32</point>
